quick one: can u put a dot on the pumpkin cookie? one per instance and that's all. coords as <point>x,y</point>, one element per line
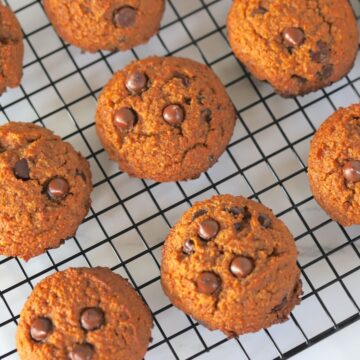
<point>11,49</point>
<point>231,264</point>
<point>104,319</point>
<point>165,119</point>
<point>105,24</point>
<point>45,190</point>
<point>334,166</point>
<point>297,46</point>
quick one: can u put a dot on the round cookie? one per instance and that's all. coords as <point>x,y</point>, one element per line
<point>45,190</point>
<point>11,49</point>
<point>165,118</point>
<point>297,46</point>
<point>104,319</point>
<point>231,264</point>
<point>334,166</point>
<point>105,24</point>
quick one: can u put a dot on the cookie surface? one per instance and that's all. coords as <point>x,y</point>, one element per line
<point>165,119</point>
<point>105,24</point>
<point>105,319</point>
<point>334,166</point>
<point>45,190</point>
<point>231,264</point>
<point>11,49</point>
<point>297,46</point>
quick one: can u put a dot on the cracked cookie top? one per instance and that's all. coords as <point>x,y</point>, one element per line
<point>45,190</point>
<point>297,46</point>
<point>231,264</point>
<point>103,319</point>
<point>94,25</point>
<point>11,49</point>
<point>334,166</point>
<point>165,119</point>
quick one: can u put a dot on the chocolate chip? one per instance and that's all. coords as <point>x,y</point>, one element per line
<point>236,210</point>
<point>57,188</point>
<point>293,36</point>
<point>264,221</point>
<point>239,226</point>
<point>40,329</point>
<point>241,266</point>
<point>259,11</point>
<point>125,118</point>
<point>136,82</point>
<point>351,171</point>
<point>199,213</point>
<point>174,114</point>
<point>92,319</point>
<point>185,79</point>
<point>208,229</point>
<point>322,53</point>
<point>301,80</point>
<point>208,282</point>
<point>325,72</point>
<point>124,17</point>
<point>280,305</point>
<point>21,169</point>
<point>189,247</point>
<point>81,174</point>
<point>82,352</point>
<point>206,115</point>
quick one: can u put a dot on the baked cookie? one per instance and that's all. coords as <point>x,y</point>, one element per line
<point>11,49</point>
<point>94,25</point>
<point>231,264</point>
<point>297,46</point>
<point>334,166</point>
<point>104,319</point>
<point>165,118</point>
<point>45,190</point>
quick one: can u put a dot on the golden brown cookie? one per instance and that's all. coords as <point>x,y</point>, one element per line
<point>11,49</point>
<point>94,25</point>
<point>297,46</point>
<point>231,264</point>
<point>165,119</point>
<point>334,166</point>
<point>45,190</point>
<point>84,314</point>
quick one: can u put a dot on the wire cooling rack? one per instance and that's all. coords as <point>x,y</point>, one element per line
<point>129,218</point>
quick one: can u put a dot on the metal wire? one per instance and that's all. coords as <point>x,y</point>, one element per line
<point>172,343</point>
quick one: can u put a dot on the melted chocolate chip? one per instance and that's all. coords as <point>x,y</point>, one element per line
<point>280,305</point>
<point>322,53</point>
<point>259,11</point>
<point>81,174</point>
<point>136,82</point>
<point>124,17</point>
<point>189,247</point>
<point>239,226</point>
<point>351,171</point>
<point>208,283</point>
<point>82,352</point>
<point>40,329</point>
<point>206,115</point>
<point>57,188</point>
<point>21,169</point>
<point>264,221</point>
<point>241,266</point>
<point>236,211</point>
<point>208,229</point>
<point>199,213</point>
<point>185,79</point>
<point>326,72</point>
<point>125,118</point>
<point>174,114</point>
<point>92,319</point>
<point>293,36</point>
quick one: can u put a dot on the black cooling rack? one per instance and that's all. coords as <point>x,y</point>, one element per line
<point>129,218</point>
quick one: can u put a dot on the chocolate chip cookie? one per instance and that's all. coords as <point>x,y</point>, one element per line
<point>297,46</point>
<point>231,264</point>
<point>11,49</point>
<point>334,166</point>
<point>84,314</point>
<point>165,119</point>
<point>94,25</point>
<point>45,190</point>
